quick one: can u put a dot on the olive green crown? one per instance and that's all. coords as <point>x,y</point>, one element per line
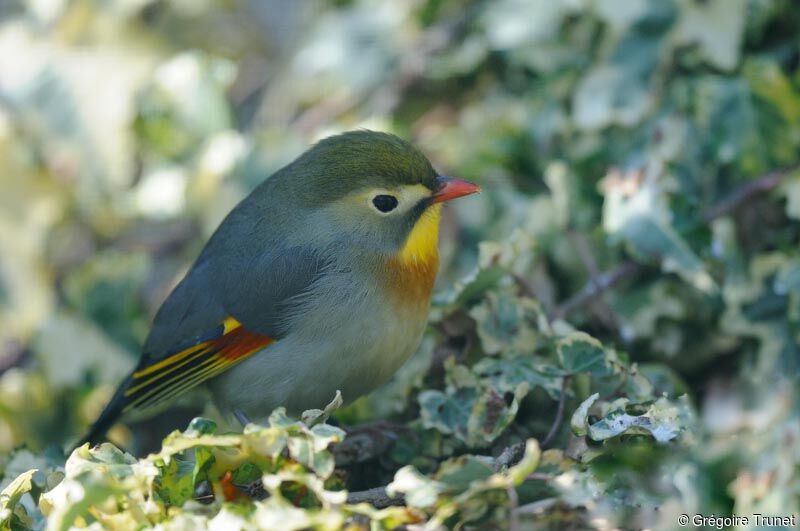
<point>342,164</point>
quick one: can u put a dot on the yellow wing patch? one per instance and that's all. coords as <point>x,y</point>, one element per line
<point>192,364</point>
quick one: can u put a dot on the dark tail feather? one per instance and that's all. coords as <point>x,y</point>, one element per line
<point>109,416</point>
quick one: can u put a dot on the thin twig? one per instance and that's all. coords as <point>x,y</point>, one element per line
<point>380,499</point>
<point>513,502</point>
<point>412,65</point>
<point>159,239</point>
<point>539,476</point>
<point>377,497</point>
<point>604,312</point>
<point>512,454</point>
<point>748,192</point>
<point>562,400</point>
<point>523,285</point>
<point>739,197</point>
<point>617,388</point>
<point>13,354</point>
<point>410,68</point>
<point>595,287</point>
<point>538,507</point>
<point>584,252</point>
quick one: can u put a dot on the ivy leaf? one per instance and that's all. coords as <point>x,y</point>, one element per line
<point>636,213</point>
<point>176,481</point>
<point>491,415</point>
<point>506,375</point>
<point>507,322</point>
<point>475,415</point>
<point>12,514</point>
<point>447,412</point>
<point>460,472</point>
<point>316,416</point>
<point>579,352</point>
<point>419,490</point>
<point>790,188</point>
<point>717,27</point>
<point>579,422</point>
<point>663,420</point>
<point>616,91</point>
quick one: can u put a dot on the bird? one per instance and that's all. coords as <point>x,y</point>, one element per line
<point>318,281</point>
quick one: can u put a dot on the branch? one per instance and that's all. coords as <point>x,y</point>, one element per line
<point>377,497</point>
<point>595,287</point>
<point>600,308</point>
<point>513,502</point>
<point>562,400</point>
<point>539,476</point>
<point>12,354</point>
<point>538,507</point>
<point>380,499</point>
<point>366,442</point>
<point>384,99</point>
<point>511,455</point>
<point>747,192</point>
<point>738,198</point>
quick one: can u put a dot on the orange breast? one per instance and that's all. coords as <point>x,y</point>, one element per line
<point>412,272</point>
<point>411,283</point>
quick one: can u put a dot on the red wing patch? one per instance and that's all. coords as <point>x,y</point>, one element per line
<point>193,363</point>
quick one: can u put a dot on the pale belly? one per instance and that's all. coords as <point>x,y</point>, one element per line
<point>360,347</point>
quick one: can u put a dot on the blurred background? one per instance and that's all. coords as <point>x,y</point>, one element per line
<point>638,159</point>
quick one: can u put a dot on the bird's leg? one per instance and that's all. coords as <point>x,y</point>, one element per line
<point>242,417</point>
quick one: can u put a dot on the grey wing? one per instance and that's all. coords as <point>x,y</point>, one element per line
<point>189,332</point>
<point>256,290</point>
<point>244,273</point>
<point>188,312</point>
<point>260,289</point>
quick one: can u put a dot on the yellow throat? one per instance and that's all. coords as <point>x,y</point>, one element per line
<point>421,247</point>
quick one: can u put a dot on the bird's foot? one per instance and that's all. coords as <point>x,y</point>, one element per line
<point>242,417</point>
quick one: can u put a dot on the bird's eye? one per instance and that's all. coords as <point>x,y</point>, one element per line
<point>385,203</point>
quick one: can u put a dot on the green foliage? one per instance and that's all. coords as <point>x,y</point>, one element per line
<point>285,465</point>
<point>632,264</point>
